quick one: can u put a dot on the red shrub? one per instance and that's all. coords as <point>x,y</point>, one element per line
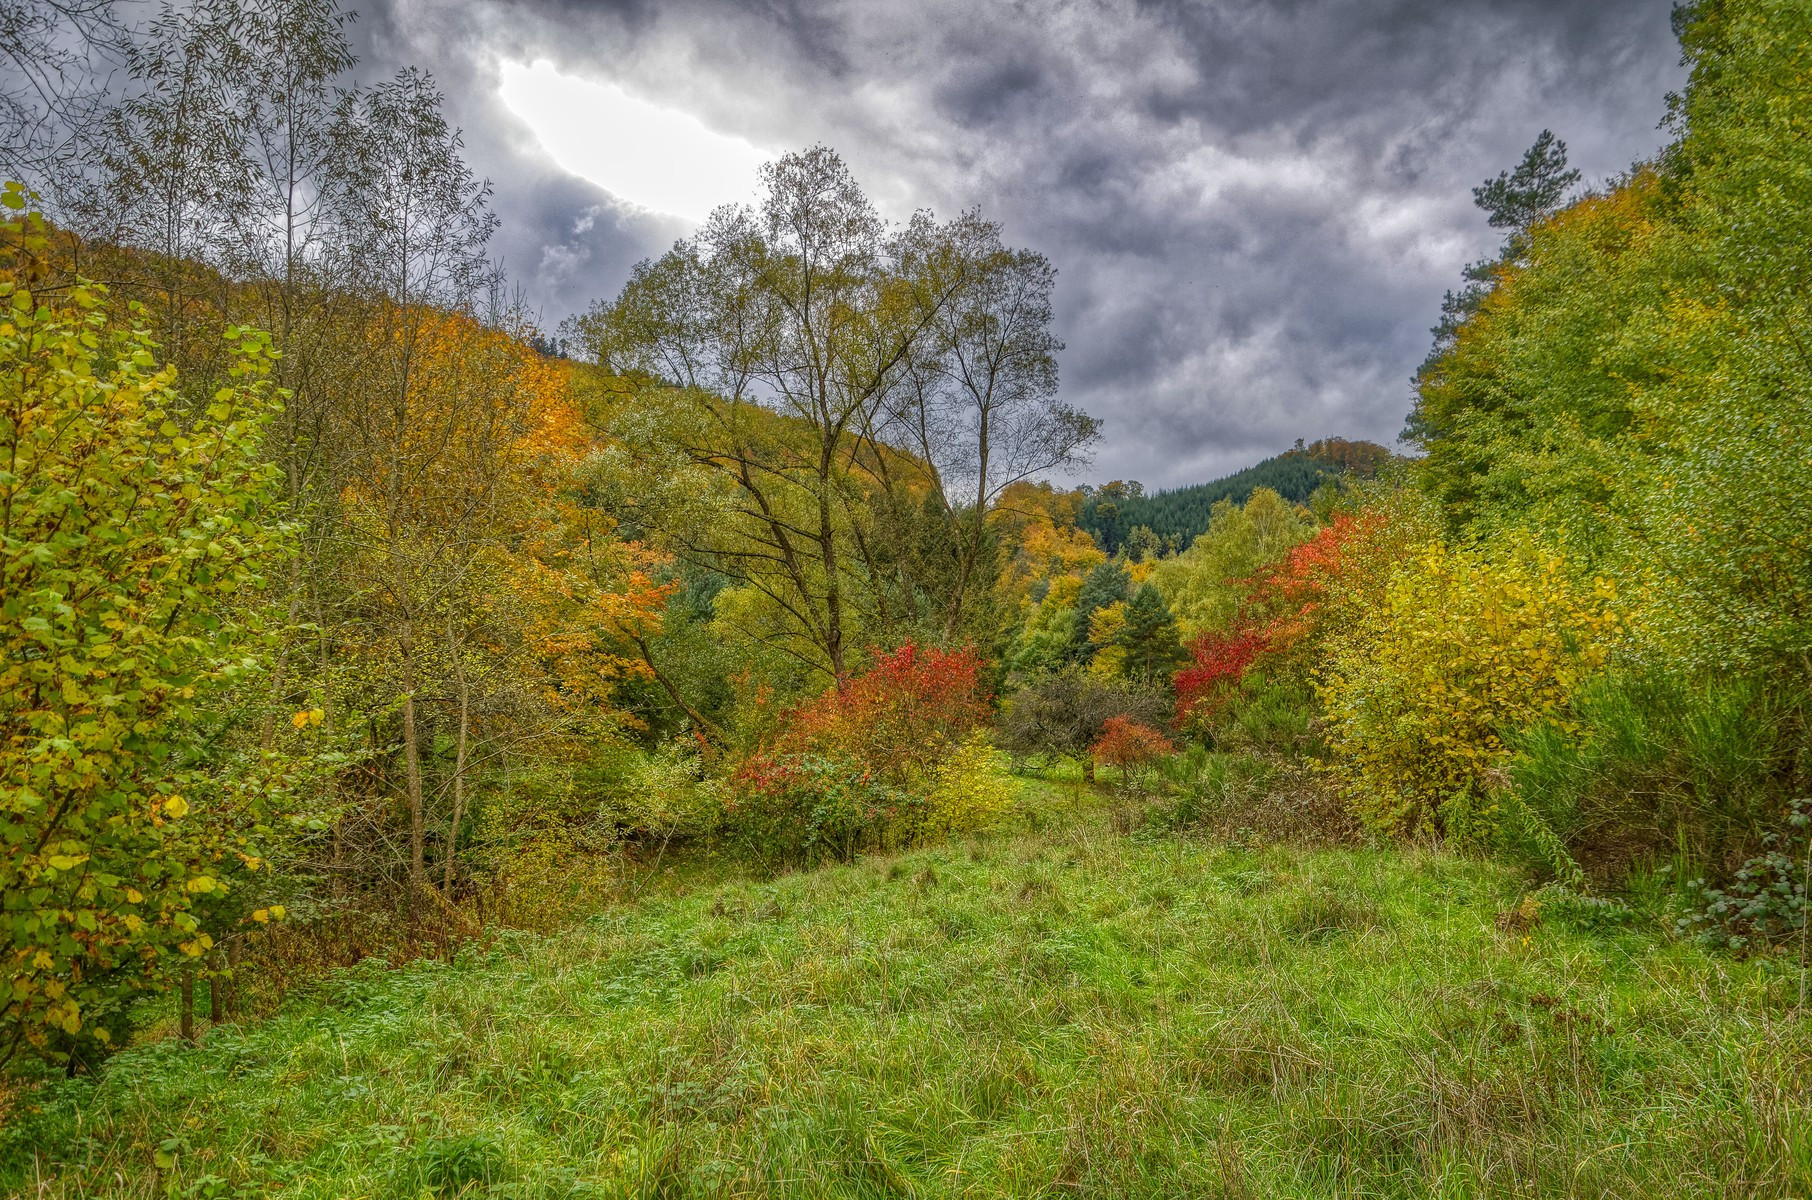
<point>898,717</point>
<point>1289,599</point>
<point>1221,661</point>
<point>1129,745</point>
<point>1282,617</point>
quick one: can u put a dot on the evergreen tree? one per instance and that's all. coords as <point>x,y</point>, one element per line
<point>1105,585</point>
<point>1149,638</point>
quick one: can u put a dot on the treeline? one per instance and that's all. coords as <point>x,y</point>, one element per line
<point>1121,516</point>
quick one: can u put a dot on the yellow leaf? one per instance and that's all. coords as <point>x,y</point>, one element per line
<point>262,915</point>
<point>176,806</point>
<point>299,719</point>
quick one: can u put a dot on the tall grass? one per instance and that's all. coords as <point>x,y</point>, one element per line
<point>1072,1013</point>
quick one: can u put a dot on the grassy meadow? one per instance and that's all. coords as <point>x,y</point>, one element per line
<point>1069,1011</point>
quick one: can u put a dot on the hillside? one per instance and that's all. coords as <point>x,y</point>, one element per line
<point>1072,1012</point>
<point>1112,512</point>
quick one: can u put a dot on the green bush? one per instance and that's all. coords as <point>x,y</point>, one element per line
<point>1652,765</point>
<point>968,791</point>
<point>806,809</point>
<point>1204,783</point>
<point>1273,714</point>
<point>1469,646</point>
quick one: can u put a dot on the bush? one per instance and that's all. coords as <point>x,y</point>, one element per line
<point>1129,747</point>
<point>851,770</point>
<point>1468,646</point>
<point>1064,715</point>
<point>1766,902</point>
<point>898,719</point>
<point>1250,684</point>
<point>128,560</point>
<point>805,809</point>
<point>1649,763</point>
<point>968,791</point>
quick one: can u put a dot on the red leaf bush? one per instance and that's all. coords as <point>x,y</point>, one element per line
<point>1129,745</point>
<point>844,773</point>
<point>898,718</point>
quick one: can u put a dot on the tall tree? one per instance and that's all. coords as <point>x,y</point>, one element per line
<point>49,97</point>
<point>979,402</point>
<point>1515,201</point>
<point>794,307</point>
<point>857,388</point>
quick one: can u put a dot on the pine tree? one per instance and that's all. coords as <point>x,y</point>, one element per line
<point>1149,637</point>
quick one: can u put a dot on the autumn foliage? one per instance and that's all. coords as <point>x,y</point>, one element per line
<point>851,769</point>
<point>1128,745</point>
<point>1286,610</point>
<point>899,717</point>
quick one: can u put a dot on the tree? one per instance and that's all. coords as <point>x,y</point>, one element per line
<point>414,223</point>
<point>1064,714</point>
<point>828,370</point>
<point>171,175</point>
<point>1206,584</point>
<point>48,96</point>
<point>126,543</point>
<point>791,307</point>
<point>979,400</point>
<point>1129,747</point>
<point>1515,201</point>
<point>1148,638</point>
<point>1102,588</point>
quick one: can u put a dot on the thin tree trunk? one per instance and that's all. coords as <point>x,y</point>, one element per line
<point>186,994</point>
<point>216,998</point>
<point>235,951</point>
<point>412,768</point>
<point>708,730</point>
<point>268,733</point>
<point>827,551</point>
<point>459,757</point>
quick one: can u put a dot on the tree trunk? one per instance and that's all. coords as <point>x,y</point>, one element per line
<point>827,550</point>
<point>412,768</point>
<point>459,758</point>
<point>186,998</point>
<point>235,949</point>
<point>708,731</point>
<point>216,998</point>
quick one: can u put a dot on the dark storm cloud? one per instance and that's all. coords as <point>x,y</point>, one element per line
<point>1254,207</point>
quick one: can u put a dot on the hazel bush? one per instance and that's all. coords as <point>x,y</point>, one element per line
<point>969,792</point>
<point>130,550</point>
<point>1468,646</point>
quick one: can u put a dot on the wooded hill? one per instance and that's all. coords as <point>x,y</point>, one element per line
<point>1113,511</point>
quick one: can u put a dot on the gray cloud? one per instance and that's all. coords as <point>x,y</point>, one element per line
<point>1254,206</point>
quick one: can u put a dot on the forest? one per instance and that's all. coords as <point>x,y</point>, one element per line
<point>710,747</point>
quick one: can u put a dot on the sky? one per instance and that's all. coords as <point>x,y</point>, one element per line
<point>1254,206</point>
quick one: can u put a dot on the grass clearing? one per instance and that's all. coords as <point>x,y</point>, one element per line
<point>1070,1012</point>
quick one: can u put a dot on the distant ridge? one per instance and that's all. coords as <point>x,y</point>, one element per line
<point>1112,511</point>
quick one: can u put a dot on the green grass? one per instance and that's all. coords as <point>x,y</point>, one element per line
<point>1067,1013</point>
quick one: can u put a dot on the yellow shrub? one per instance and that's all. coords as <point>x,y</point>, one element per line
<point>969,791</point>
<point>1467,646</point>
